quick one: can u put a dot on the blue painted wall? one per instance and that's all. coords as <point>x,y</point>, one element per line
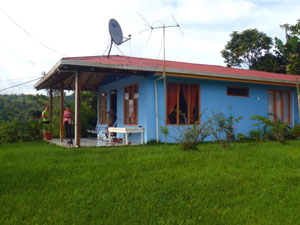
<point>213,98</point>
<point>143,104</point>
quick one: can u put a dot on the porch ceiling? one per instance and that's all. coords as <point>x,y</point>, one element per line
<point>91,76</point>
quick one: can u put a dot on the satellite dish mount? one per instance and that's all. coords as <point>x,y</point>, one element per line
<point>116,34</point>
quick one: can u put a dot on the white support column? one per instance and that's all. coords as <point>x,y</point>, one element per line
<point>77,110</point>
<point>126,138</point>
<point>142,138</point>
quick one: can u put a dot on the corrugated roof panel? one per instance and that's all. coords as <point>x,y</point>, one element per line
<point>144,62</point>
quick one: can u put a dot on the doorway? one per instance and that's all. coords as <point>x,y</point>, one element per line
<point>113,103</point>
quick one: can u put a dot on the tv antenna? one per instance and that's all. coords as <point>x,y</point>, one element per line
<point>163,27</point>
<point>116,35</point>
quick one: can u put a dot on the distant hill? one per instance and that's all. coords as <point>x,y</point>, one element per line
<point>20,107</point>
<point>26,107</point>
<point>23,107</point>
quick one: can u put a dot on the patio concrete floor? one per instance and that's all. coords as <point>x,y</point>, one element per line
<point>87,142</point>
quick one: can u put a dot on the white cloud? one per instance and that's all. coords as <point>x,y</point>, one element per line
<point>80,28</point>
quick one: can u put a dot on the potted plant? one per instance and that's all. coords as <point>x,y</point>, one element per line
<point>47,131</point>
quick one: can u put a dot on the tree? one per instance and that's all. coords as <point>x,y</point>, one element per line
<point>290,52</point>
<point>88,111</point>
<point>244,49</point>
<point>269,63</point>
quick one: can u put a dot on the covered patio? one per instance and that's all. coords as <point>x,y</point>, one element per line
<point>87,142</point>
<point>82,74</point>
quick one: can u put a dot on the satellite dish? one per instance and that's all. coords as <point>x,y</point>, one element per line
<point>116,35</point>
<point>115,31</point>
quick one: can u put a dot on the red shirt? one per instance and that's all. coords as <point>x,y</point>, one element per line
<point>67,115</point>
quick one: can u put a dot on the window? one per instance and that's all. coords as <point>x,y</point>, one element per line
<point>102,108</point>
<point>238,91</point>
<point>279,103</point>
<point>131,97</point>
<point>183,103</point>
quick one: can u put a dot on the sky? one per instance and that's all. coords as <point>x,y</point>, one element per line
<point>62,28</point>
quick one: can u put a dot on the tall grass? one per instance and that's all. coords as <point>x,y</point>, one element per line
<point>251,183</point>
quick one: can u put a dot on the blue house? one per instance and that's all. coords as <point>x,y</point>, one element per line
<point>142,95</point>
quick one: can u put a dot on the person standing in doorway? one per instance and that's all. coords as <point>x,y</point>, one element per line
<point>68,122</point>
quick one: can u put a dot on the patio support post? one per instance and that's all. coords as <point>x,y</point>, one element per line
<point>61,112</point>
<point>77,109</point>
<point>51,109</point>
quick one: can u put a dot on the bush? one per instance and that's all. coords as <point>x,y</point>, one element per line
<point>277,130</point>
<point>190,137</point>
<point>259,134</point>
<point>241,137</point>
<point>17,131</point>
<point>165,131</point>
<point>255,135</point>
<point>153,142</point>
<point>294,132</point>
<point>223,128</point>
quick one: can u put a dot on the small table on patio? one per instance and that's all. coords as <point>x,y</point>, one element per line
<point>126,131</point>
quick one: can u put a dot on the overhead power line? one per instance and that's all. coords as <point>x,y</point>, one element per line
<point>20,84</point>
<point>32,37</point>
<point>21,78</point>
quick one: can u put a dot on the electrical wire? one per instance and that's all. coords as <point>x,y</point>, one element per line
<point>20,84</point>
<point>32,37</point>
<point>19,78</point>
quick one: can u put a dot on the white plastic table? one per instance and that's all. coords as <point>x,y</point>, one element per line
<point>126,131</point>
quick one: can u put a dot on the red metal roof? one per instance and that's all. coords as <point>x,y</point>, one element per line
<point>144,62</point>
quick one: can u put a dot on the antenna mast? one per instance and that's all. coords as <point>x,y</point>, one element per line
<point>163,27</point>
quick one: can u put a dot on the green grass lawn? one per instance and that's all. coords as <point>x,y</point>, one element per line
<point>251,183</point>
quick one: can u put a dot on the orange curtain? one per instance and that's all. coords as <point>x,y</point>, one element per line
<point>194,90</point>
<point>171,99</point>
<point>184,88</point>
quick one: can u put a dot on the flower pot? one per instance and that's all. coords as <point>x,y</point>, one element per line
<point>48,136</point>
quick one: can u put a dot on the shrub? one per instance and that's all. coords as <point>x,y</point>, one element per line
<point>16,131</point>
<point>294,132</point>
<point>259,134</point>
<point>241,137</point>
<point>223,128</point>
<point>165,131</point>
<point>277,130</point>
<point>153,142</point>
<point>191,136</point>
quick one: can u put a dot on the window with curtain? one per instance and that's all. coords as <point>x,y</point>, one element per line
<point>279,104</point>
<point>183,103</point>
<point>102,111</point>
<point>131,97</point>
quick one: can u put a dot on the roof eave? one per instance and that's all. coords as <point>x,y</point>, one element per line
<point>48,75</point>
<point>111,66</point>
<point>156,70</point>
<point>171,70</point>
<point>229,76</point>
